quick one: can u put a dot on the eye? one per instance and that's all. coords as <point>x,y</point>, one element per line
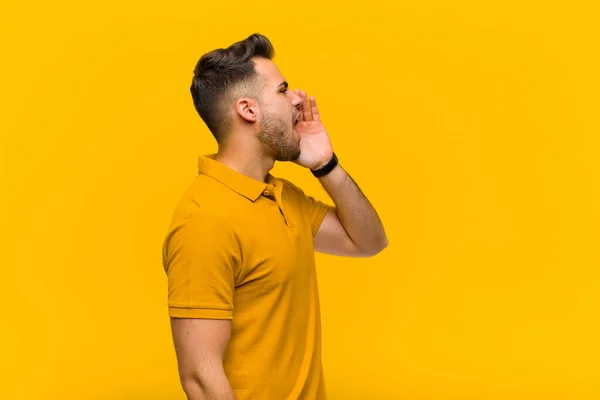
<point>283,90</point>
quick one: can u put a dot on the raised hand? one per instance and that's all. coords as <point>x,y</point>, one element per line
<point>315,145</point>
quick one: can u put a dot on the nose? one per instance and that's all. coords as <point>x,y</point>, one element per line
<point>296,100</point>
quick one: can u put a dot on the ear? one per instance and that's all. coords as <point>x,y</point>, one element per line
<point>247,109</point>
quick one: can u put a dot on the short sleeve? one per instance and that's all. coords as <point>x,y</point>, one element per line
<point>317,212</point>
<point>200,256</point>
<point>315,208</point>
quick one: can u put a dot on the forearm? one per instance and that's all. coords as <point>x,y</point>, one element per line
<point>355,212</point>
<point>213,387</point>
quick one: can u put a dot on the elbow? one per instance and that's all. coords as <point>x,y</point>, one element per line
<point>382,247</point>
<point>193,388</point>
<point>376,250</point>
<point>211,384</point>
<point>385,244</point>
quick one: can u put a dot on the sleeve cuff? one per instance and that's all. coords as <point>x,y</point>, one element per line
<point>320,216</point>
<point>211,313</point>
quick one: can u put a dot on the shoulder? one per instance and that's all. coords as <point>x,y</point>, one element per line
<point>200,213</point>
<point>295,194</point>
<point>292,188</point>
<point>204,199</point>
<point>201,225</point>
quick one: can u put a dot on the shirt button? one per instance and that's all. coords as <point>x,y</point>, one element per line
<point>266,193</point>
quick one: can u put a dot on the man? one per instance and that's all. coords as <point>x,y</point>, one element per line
<point>239,253</point>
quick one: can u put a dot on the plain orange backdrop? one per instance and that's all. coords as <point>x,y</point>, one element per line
<point>471,126</point>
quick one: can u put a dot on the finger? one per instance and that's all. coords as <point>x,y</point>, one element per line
<point>314,109</point>
<point>306,107</point>
<point>299,107</point>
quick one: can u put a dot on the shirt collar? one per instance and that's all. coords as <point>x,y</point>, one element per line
<point>236,181</point>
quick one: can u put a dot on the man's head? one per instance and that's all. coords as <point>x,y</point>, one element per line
<point>240,91</point>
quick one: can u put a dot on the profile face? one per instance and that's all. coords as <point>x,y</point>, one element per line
<point>278,113</point>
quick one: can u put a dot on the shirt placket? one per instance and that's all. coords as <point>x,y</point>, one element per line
<point>273,193</point>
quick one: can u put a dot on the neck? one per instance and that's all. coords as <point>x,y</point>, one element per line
<point>246,160</point>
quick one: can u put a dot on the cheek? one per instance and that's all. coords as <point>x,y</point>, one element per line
<point>285,114</point>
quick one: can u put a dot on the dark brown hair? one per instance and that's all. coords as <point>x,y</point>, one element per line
<point>224,73</point>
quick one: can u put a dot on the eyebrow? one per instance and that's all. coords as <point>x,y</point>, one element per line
<point>284,84</point>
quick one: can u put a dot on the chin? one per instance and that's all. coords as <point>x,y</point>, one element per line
<point>297,155</point>
<point>290,155</point>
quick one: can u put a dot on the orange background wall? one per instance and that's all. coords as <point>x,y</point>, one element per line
<point>471,126</point>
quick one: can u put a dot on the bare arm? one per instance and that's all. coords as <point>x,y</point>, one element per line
<point>355,228</point>
<point>199,346</point>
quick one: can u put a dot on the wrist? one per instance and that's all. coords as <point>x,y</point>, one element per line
<point>326,168</point>
<point>322,163</point>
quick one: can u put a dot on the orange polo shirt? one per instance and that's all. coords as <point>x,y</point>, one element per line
<point>242,249</point>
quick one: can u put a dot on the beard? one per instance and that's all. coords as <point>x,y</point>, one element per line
<point>274,137</point>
